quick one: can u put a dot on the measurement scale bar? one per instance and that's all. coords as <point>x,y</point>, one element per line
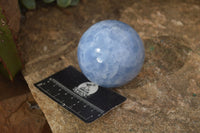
<point>73,91</point>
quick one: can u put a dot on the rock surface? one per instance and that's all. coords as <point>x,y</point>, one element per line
<point>19,113</point>
<point>165,96</point>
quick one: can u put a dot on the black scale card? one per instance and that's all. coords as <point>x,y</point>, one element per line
<point>73,91</point>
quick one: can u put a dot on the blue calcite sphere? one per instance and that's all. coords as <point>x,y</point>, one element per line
<point>110,53</point>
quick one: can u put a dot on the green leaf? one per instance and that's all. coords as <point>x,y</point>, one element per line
<point>10,62</point>
<point>48,1</point>
<point>63,3</point>
<point>74,2</point>
<point>29,4</point>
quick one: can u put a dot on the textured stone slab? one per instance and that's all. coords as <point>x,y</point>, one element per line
<point>165,96</point>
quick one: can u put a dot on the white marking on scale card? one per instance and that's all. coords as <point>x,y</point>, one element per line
<point>57,94</point>
<point>40,84</point>
<point>86,89</point>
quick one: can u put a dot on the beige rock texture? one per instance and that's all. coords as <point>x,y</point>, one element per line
<point>164,97</point>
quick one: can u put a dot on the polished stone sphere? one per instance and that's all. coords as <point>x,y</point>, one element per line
<point>110,53</point>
